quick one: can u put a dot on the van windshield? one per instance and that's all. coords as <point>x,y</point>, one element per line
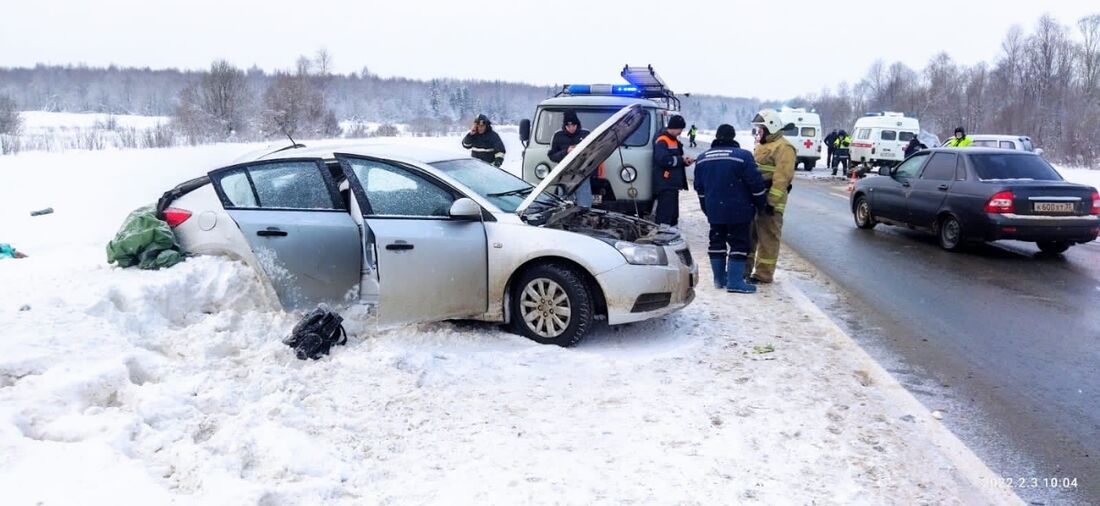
<point>549,123</point>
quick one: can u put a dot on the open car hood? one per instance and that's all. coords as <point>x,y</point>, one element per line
<point>597,147</point>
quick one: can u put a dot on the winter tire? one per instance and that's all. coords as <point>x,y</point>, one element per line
<point>862,214</point>
<point>950,234</point>
<point>810,164</point>
<point>551,305</point>
<point>1053,247</point>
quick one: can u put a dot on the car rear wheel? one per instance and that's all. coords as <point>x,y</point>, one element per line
<point>1053,247</point>
<point>950,234</point>
<point>552,305</point>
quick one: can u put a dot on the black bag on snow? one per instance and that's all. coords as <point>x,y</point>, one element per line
<point>316,333</point>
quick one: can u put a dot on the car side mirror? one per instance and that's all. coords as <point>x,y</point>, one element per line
<point>465,209</point>
<point>525,131</point>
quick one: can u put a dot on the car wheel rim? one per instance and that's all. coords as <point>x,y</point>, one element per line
<point>862,212</point>
<point>950,232</point>
<point>545,307</point>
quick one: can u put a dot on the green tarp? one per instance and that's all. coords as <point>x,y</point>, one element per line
<point>145,241</point>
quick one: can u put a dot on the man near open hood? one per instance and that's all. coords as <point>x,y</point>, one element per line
<point>563,143</point>
<point>670,176</point>
<point>483,143</point>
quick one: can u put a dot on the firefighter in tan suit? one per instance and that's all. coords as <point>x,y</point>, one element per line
<point>775,157</point>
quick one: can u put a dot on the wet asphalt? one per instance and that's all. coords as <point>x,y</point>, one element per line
<point>1002,339</point>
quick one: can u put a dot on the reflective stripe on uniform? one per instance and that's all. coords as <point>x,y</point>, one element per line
<point>499,155</point>
<point>777,193</point>
<point>780,207</point>
<point>766,261</point>
<point>483,150</point>
<point>765,168</point>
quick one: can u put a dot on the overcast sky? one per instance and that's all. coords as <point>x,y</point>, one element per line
<point>766,49</point>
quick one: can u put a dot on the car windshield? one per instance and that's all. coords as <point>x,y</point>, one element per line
<point>550,123</point>
<point>504,190</point>
<point>992,167</point>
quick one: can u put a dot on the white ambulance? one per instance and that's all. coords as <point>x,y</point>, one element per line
<point>804,133</point>
<point>879,138</point>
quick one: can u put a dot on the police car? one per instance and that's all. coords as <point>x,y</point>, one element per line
<point>629,185</point>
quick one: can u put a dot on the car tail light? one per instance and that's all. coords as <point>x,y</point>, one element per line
<point>175,217</point>
<point>1001,203</point>
<point>1095,203</point>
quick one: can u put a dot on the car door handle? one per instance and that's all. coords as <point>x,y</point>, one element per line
<point>905,184</point>
<point>271,232</point>
<point>399,246</point>
<point>942,187</point>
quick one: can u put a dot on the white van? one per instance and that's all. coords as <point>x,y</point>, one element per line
<point>879,138</point>
<point>804,133</point>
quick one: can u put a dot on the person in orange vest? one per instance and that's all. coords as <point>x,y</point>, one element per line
<point>669,171</point>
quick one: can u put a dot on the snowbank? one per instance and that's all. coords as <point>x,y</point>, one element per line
<point>130,387</point>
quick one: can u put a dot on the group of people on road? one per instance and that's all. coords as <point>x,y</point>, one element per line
<point>742,194</point>
<point>837,154</point>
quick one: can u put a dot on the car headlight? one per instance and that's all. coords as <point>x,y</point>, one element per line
<point>642,254</point>
<point>542,170</point>
<point>628,174</point>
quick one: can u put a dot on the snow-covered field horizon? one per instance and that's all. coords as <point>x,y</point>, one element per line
<point>135,387</point>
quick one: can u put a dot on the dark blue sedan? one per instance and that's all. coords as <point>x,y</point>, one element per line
<point>978,194</point>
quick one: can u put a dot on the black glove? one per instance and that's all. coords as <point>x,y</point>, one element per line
<point>768,210</point>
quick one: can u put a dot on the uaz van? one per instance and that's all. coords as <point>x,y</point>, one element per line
<point>879,138</point>
<point>804,133</point>
<point>629,171</point>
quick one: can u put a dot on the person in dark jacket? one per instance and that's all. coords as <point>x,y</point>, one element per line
<point>563,143</point>
<point>914,146</point>
<point>669,174</point>
<point>483,143</point>
<point>841,153</point>
<point>829,147</point>
<point>731,191</point>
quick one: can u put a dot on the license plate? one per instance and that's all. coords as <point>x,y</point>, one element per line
<point>1053,207</point>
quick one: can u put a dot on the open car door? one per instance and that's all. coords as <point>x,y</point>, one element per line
<point>294,220</point>
<point>429,266</point>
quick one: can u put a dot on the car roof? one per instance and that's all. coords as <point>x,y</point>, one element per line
<point>998,136</point>
<point>597,101</point>
<point>393,151</point>
<point>971,150</point>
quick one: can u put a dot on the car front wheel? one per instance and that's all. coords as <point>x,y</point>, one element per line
<point>862,214</point>
<point>552,305</point>
<point>1053,247</point>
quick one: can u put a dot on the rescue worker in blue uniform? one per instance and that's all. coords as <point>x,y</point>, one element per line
<point>731,191</point>
<point>669,174</point>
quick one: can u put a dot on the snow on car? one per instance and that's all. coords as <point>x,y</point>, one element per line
<point>421,236</point>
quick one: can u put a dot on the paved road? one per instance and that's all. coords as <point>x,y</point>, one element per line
<point>1005,340</point>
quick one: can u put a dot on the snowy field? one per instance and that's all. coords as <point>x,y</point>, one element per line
<point>133,387</point>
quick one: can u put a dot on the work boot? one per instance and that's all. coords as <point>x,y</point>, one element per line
<point>718,265</point>
<point>735,282</point>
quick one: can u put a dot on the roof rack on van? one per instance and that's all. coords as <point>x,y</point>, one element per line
<point>644,83</point>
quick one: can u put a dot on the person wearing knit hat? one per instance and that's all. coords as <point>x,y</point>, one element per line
<point>669,174</point>
<point>731,191</point>
<point>563,143</point>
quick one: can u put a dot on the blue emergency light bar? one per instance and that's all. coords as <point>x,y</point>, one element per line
<point>603,89</point>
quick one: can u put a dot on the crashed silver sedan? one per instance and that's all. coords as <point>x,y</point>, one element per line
<point>424,236</point>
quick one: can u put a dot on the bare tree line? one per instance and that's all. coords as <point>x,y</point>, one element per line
<point>1045,85</point>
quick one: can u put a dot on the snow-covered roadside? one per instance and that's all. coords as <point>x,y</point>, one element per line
<point>129,387</point>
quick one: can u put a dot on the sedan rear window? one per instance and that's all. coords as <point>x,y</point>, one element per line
<point>1012,166</point>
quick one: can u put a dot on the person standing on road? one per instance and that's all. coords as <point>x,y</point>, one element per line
<point>692,132</point>
<point>960,140</point>
<point>841,155</point>
<point>669,174</point>
<point>483,143</point>
<point>775,158</point>
<point>563,143</point>
<point>829,139</point>
<point>731,191</point>
<point>914,146</point>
